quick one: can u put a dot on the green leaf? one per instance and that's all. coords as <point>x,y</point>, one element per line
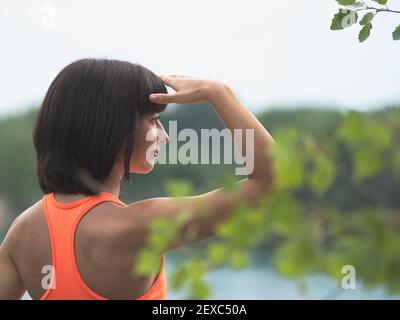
<point>334,263</point>
<point>163,232</point>
<point>358,5</point>
<point>323,173</point>
<point>217,253</point>
<point>242,228</point>
<point>287,164</point>
<point>297,257</point>
<point>382,2</point>
<point>365,32</point>
<point>199,290</point>
<point>239,259</point>
<point>344,19</point>
<point>148,262</point>
<point>337,21</point>
<point>396,33</point>
<point>346,2</point>
<point>289,175</point>
<point>367,19</point>
<point>284,215</point>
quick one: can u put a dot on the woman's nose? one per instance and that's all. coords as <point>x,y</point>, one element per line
<point>163,135</point>
<point>166,137</point>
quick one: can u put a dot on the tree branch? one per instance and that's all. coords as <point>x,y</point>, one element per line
<point>378,9</point>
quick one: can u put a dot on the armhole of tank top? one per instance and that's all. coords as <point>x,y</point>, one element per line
<point>85,210</point>
<point>154,285</point>
<point>51,239</point>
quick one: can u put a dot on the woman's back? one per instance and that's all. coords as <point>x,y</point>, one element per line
<point>45,234</point>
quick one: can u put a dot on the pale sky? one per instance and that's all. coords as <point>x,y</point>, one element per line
<point>269,52</point>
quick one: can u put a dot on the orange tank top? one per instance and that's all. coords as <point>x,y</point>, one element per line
<point>62,220</point>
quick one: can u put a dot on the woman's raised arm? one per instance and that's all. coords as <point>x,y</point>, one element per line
<point>207,210</point>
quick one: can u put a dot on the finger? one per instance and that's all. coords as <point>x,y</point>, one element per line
<point>162,98</point>
<point>178,76</point>
<point>168,80</point>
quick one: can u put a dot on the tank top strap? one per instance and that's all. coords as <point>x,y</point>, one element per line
<point>94,200</point>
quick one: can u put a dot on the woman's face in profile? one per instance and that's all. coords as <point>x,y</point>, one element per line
<point>150,135</point>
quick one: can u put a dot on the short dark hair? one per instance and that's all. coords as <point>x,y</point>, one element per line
<point>88,119</point>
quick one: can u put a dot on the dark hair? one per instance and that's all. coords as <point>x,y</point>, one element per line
<point>87,121</point>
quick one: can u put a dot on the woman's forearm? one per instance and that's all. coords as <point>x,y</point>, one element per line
<point>235,115</point>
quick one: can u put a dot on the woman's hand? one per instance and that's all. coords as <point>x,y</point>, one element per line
<point>189,90</point>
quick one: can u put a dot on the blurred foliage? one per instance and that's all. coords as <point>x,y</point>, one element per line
<point>308,230</point>
<point>335,203</point>
<point>364,12</point>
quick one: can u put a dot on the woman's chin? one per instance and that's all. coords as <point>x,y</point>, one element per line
<point>147,168</point>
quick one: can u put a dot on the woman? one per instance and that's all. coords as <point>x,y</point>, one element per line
<point>96,125</point>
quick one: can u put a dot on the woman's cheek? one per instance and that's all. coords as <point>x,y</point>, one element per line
<point>151,134</point>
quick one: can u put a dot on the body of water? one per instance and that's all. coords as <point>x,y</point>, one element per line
<point>260,281</point>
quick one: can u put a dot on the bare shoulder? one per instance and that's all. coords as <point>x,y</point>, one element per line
<point>11,284</point>
<point>125,222</point>
<point>22,226</point>
<point>134,220</point>
<point>122,229</point>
